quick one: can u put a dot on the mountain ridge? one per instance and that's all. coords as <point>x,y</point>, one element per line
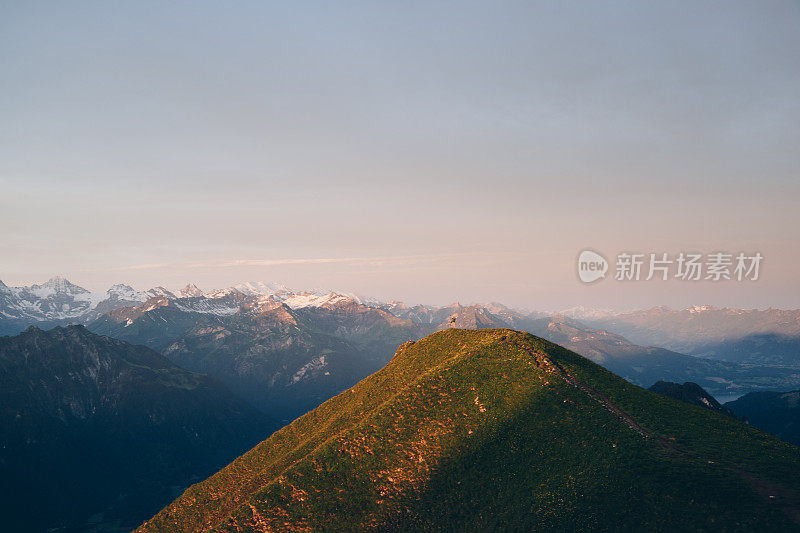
<point>480,429</point>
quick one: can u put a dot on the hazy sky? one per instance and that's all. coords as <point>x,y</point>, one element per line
<point>425,151</point>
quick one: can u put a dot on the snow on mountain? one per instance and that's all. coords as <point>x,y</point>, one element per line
<point>261,288</point>
<point>308,299</point>
<point>56,286</point>
<point>190,291</point>
<point>419,314</point>
<point>224,293</point>
<point>191,299</point>
<point>160,291</point>
<point>701,309</point>
<point>209,306</point>
<point>358,298</point>
<point>315,297</point>
<point>126,293</point>
<point>153,303</point>
<point>59,300</point>
<point>364,300</point>
<point>56,299</point>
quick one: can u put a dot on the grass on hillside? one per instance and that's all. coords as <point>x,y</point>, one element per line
<point>467,430</point>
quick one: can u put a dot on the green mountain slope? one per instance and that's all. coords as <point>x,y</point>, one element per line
<point>476,430</point>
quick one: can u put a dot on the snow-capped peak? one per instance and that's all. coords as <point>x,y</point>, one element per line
<point>308,299</point>
<point>323,293</point>
<point>701,308</point>
<point>127,293</point>
<point>190,291</point>
<point>160,291</point>
<point>261,288</point>
<point>223,293</point>
<point>57,285</point>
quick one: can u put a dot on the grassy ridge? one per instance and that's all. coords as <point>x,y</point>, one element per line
<point>471,430</point>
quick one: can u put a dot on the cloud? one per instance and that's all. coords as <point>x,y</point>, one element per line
<point>375,261</point>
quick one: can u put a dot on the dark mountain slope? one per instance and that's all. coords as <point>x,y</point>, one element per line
<point>284,361</point>
<point>761,348</point>
<point>375,332</point>
<point>155,324</point>
<point>775,412</point>
<point>90,424</point>
<point>496,429</point>
<point>690,393</point>
<point>280,365</point>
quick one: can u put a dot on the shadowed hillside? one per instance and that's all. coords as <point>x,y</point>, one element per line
<point>776,412</point>
<point>95,427</point>
<point>690,393</point>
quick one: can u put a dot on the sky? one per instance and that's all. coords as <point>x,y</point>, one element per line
<point>421,151</point>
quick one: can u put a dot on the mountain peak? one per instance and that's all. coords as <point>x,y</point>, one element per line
<point>701,308</point>
<point>262,288</point>
<point>190,291</point>
<point>122,292</point>
<point>160,292</point>
<point>310,299</point>
<point>225,293</point>
<point>60,285</point>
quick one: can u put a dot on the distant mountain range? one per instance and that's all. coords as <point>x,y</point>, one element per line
<point>95,432</point>
<point>321,341</point>
<point>284,356</point>
<point>645,365</point>
<point>770,336</point>
<point>287,357</point>
<point>497,430</point>
<point>58,302</point>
